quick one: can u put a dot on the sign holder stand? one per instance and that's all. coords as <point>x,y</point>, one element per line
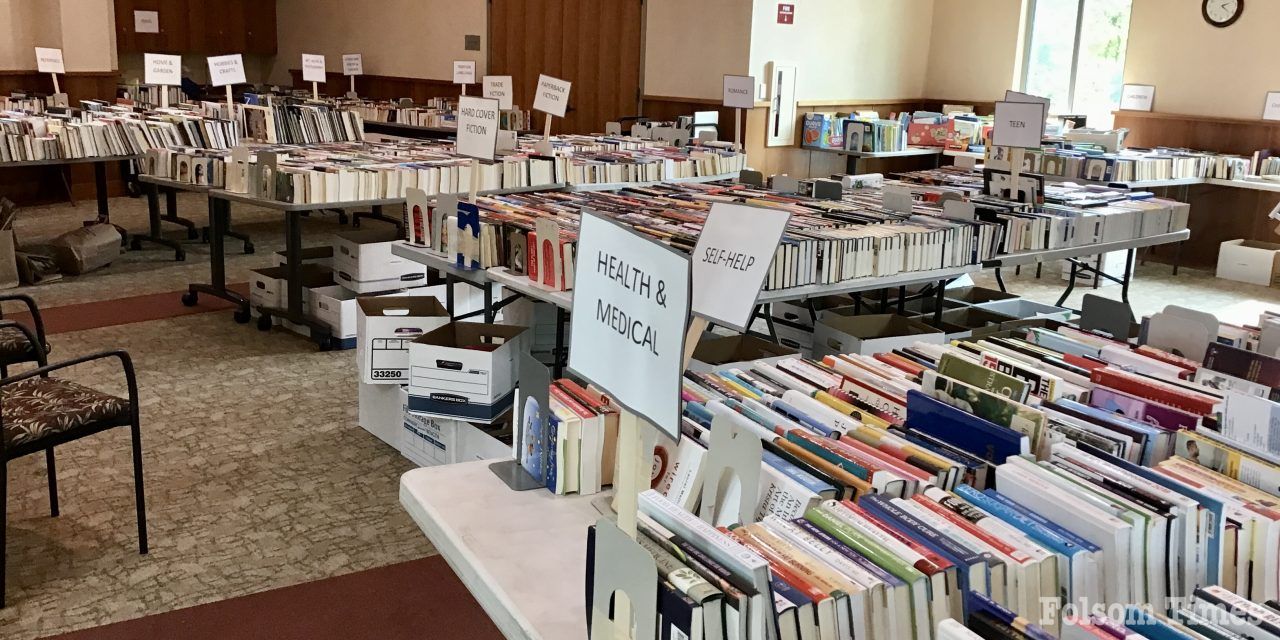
<point>353,84</point>
<point>56,88</point>
<point>475,180</point>
<point>737,129</point>
<point>231,111</point>
<point>164,96</point>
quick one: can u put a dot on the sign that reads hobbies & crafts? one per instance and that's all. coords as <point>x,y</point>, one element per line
<point>477,127</point>
<point>552,95</point>
<point>226,70</point>
<point>632,300</point>
<point>733,255</point>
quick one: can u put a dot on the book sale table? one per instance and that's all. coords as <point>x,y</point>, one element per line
<point>99,175</point>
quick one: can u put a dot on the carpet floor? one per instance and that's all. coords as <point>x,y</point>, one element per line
<point>83,316</point>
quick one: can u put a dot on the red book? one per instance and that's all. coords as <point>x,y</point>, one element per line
<point>939,563</point>
<point>898,362</point>
<point>1088,364</point>
<point>971,528</point>
<point>1150,389</point>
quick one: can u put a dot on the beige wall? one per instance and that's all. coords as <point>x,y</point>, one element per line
<point>974,49</point>
<point>847,50</point>
<point>408,38</point>
<point>1198,69</point>
<point>84,29</point>
<point>690,46</point>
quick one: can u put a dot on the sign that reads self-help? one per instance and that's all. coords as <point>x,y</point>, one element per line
<point>499,88</point>
<point>739,92</point>
<point>1018,124</point>
<point>352,64</point>
<point>464,71</point>
<point>313,67</point>
<point>226,70</point>
<point>49,60</point>
<point>631,295</point>
<point>477,127</point>
<point>162,69</point>
<point>552,96</point>
<point>732,258</point>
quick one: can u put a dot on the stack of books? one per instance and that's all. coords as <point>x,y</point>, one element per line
<point>862,132</point>
<point>150,96</point>
<point>436,112</point>
<point>25,104</point>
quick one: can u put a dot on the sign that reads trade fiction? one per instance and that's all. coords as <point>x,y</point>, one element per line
<point>225,70</point>
<point>1137,97</point>
<point>477,126</point>
<point>739,92</point>
<point>162,69</point>
<point>553,95</point>
<point>464,71</point>
<point>352,64</point>
<point>498,88</point>
<point>49,60</point>
<point>313,67</point>
<point>632,300</point>
<point>1018,124</point>
<point>733,255</point>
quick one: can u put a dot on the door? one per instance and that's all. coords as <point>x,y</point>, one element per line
<point>595,44</point>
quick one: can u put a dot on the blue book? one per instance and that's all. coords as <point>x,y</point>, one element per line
<point>802,418</point>
<point>698,413</point>
<point>1065,534</point>
<point>795,473</point>
<point>1139,621</point>
<point>982,438</point>
<point>727,375</point>
<point>979,602</point>
<point>553,431</point>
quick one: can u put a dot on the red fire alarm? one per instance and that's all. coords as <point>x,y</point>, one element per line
<point>786,14</point>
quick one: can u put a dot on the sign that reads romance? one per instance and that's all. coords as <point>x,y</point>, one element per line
<point>739,92</point>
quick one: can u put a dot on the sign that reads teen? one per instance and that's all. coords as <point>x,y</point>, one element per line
<point>49,60</point>
<point>312,67</point>
<point>739,92</point>
<point>632,300</point>
<point>225,70</point>
<point>733,255</point>
<point>477,126</point>
<point>552,96</point>
<point>162,69</point>
<point>464,71</point>
<point>1018,124</point>
<point>352,64</point>
<point>498,88</point>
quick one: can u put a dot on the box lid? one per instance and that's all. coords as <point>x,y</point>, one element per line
<point>396,306</point>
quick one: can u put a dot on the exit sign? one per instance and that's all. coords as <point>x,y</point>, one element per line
<point>786,14</point>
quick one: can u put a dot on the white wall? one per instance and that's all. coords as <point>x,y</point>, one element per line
<point>847,50</point>
<point>974,50</point>
<point>691,45</point>
<point>83,29</point>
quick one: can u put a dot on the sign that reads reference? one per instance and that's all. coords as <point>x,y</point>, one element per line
<point>1018,124</point>
<point>49,60</point>
<point>499,88</point>
<point>225,70</point>
<point>313,67</point>
<point>162,69</point>
<point>553,95</point>
<point>464,71</point>
<point>632,300</point>
<point>146,22</point>
<point>352,64</point>
<point>477,127</point>
<point>1137,97</point>
<point>739,92</point>
<point>733,255</point>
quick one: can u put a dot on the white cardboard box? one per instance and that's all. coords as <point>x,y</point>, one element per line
<point>363,262</point>
<point>869,334</point>
<point>448,376</point>
<point>268,287</point>
<point>381,411</point>
<point>433,440</point>
<point>1248,261</point>
<point>384,329</point>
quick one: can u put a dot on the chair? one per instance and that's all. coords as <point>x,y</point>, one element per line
<point>17,346</point>
<point>39,412</point>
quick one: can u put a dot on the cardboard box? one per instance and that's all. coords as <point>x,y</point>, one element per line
<point>1023,308</point>
<point>977,320</point>
<point>86,248</point>
<point>868,334</point>
<point>976,295</point>
<point>363,262</point>
<point>797,312</point>
<point>322,256</point>
<point>450,376</point>
<point>433,440</point>
<point>269,288</point>
<point>1249,261</point>
<point>949,330</point>
<point>381,411</point>
<point>384,328</point>
<point>715,353</point>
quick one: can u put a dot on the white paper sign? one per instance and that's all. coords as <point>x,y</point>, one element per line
<point>225,70</point>
<point>552,96</point>
<point>477,126</point>
<point>499,88</point>
<point>1017,96</point>
<point>313,67</point>
<point>732,258</point>
<point>352,64</point>
<point>146,22</point>
<point>1271,110</point>
<point>1137,97</point>
<point>632,297</point>
<point>162,69</point>
<point>1018,124</point>
<point>464,71</point>
<point>49,60</point>
<point>739,92</point>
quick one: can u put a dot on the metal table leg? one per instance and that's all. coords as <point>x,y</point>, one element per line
<point>153,226</point>
<point>1128,275</point>
<point>1071,282</point>
<point>489,312</point>
<point>100,185</point>
<point>557,363</point>
<point>171,214</point>
<point>1000,281</point>
<point>219,214</point>
<point>448,294</point>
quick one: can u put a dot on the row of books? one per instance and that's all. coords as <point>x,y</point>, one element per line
<point>862,132</point>
<point>438,112</point>
<point>151,96</point>
<point>1134,165</point>
<point>22,103</point>
<point>299,124</point>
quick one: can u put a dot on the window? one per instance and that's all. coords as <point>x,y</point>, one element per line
<point>1075,55</point>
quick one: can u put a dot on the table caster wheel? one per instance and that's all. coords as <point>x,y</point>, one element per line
<point>204,235</point>
<point>326,346</point>
<point>241,316</point>
<point>264,322</point>
<point>248,248</point>
<point>190,298</point>
<point>135,243</point>
<point>180,255</point>
<point>192,234</point>
<point>342,218</point>
<point>355,222</point>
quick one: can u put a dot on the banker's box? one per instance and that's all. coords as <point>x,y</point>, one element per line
<point>715,353</point>
<point>431,440</point>
<point>363,262</point>
<point>1249,261</point>
<point>269,288</point>
<point>465,370</point>
<point>384,329</point>
<point>868,334</point>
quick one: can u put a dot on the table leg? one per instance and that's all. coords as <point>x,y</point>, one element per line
<point>938,302</point>
<point>153,226</point>
<point>902,300</point>
<point>557,365</point>
<point>489,313</point>
<point>1071,282</point>
<point>293,266</point>
<point>448,294</point>
<point>1000,281</point>
<point>171,215</point>
<point>219,213</point>
<point>100,185</point>
<point>1128,275</point>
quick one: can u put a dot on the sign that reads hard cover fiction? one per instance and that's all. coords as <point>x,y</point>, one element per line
<point>313,67</point>
<point>733,255</point>
<point>739,92</point>
<point>498,88</point>
<point>162,69</point>
<point>352,64</point>
<point>477,126</point>
<point>631,297</point>
<point>552,96</point>
<point>225,70</point>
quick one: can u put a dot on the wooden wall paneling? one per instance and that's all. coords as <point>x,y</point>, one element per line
<point>260,27</point>
<point>385,87</point>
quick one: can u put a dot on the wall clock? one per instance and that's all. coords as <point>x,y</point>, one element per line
<point>1221,13</point>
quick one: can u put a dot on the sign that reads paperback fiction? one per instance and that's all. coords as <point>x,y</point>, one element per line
<point>352,64</point>
<point>464,71</point>
<point>1018,124</point>
<point>1137,97</point>
<point>313,67</point>
<point>477,126</point>
<point>498,88</point>
<point>49,60</point>
<point>553,95</point>
<point>225,70</point>
<point>733,255</point>
<point>162,69</point>
<point>632,300</point>
<point>739,92</point>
